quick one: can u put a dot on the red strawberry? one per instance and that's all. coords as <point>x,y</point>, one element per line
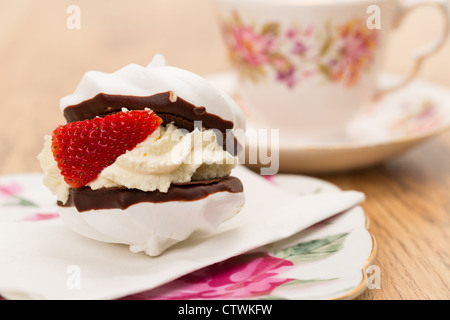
<point>83,149</point>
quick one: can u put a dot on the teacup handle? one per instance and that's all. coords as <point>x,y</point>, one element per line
<point>425,52</point>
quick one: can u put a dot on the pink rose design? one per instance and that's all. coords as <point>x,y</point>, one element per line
<point>248,46</point>
<point>416,121</point>
<point>285,71</point>
<point>41,216</point>
<point>356,52</point>
<point>338,53</point>
<point>247,275</point>
<point>11,190</point>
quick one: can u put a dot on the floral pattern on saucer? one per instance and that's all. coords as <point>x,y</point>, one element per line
<point>416,111</point>
<point>336,53</point>
<point>11,193</point>
<point>250,275</point>
<point>323,261</point>
<point>418,118</point>
<point>282,270</point>
<point>24,198</point>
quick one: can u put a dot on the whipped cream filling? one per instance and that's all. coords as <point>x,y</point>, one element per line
<point>169,155</point>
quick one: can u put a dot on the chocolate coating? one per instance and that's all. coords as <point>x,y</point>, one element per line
<point>182,113</point>
<point>162,103</point>
<point>85,199</point>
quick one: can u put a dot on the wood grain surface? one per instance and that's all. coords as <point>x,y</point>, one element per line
<point>41,60</point>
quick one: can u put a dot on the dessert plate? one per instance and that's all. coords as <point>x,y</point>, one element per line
<point>325,261</point>
<point>382,130</point>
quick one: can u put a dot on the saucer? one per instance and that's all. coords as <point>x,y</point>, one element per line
<point>330,260</point>
<point>382,130</point>
<point>316,246</point>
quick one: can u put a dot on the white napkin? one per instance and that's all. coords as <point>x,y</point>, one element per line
<point>46,260</point>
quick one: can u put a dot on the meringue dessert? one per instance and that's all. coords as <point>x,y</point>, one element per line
<point>145,157</point>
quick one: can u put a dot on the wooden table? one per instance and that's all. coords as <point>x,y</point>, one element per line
<point>41,60</point>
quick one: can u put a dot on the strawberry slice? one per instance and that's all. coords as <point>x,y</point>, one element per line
<point>83,149</point>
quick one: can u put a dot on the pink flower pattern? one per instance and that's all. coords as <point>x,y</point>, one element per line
<point>357,44</point>
<point>338,53</point>
<point>10,190</point>
<point>248,275</point>
<point>418,119</point>
<point>250,47</point>
<point>253,275</point>
<point>11,195</point>
<point>41,216</point>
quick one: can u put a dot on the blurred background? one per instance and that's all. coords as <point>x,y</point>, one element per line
<point>42,60</point>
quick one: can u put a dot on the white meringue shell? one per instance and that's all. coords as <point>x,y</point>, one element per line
<point>158,77</point>
<point>154,227</point>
